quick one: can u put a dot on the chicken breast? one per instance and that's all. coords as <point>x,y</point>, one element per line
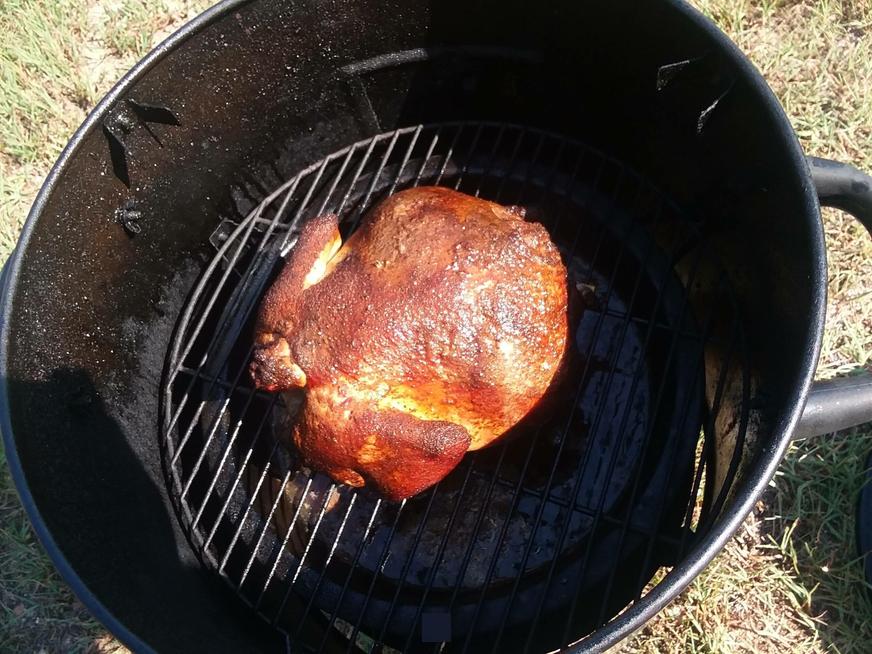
<point>435,328</point>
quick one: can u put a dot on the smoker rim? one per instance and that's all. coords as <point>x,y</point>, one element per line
<point>682,574</point>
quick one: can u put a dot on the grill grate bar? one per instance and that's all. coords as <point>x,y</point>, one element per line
<point>226,386</point>
<point>588,549</point>
<point>448,155</point>
<point>383,557</point>
<point>492,159</point>
<point>280,550</point>
<point>338,176</point>
<point>458,499</point>
<point>423,522</point>
<point>605,518</point>
<point>467,555</point>
<point>189,432</point>
<point>657,407</point>
<point>360,547</point>
<point>248,226</point>
<point>438,558</point>
<point>313,594</point>
<point>582,467</point>
<point>266,525</point>
<point>495,478</point>
<point>525,184</point>
<point>292,187</point>
<point>232,489</point>
<point>215,423</point>
<point>465,168</point>
<point>513,159</point>
<point>659,396</point>
<point>276,222</point>
<point>707,444</point>
<point>549,186</point>
<point>214,481</point>
<point>227,449</point>
<point>374,181</point>
<point>238,532</point>
<point>361,167</point>
<point>178,360</point>
<point>357,174</point>
<point>306,550</point>
<point>457,504</point>
<point>504,447</point>
<point>408,562</point>
<point>283,248</point>
<point>428,156</point>
<point>686,336</point>
<point>599,512</point>
<point>412,142</point>
<point>217,475</point>
<point>516,495</point>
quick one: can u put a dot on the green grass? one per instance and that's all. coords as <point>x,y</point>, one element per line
<point>42,99</point>
<point>789,581</point>
<point>134,24</point>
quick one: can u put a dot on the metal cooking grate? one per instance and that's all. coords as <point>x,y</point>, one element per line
<point>530,544</point>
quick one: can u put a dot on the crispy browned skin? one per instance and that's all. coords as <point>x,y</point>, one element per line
<point>434,329</point>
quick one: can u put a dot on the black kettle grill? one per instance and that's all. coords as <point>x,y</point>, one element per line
<point>686,213</point>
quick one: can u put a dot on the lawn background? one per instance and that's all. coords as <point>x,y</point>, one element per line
<point>789,581</point>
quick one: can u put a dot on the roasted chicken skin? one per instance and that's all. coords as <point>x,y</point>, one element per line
<point>435,328</point>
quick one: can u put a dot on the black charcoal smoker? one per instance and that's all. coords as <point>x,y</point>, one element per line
<point>686,213</point>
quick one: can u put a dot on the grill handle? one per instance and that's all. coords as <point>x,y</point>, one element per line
<point>844,187</point>
<point>838,404</point>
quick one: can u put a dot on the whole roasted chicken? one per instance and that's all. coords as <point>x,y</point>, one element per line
<point>435,328</point>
